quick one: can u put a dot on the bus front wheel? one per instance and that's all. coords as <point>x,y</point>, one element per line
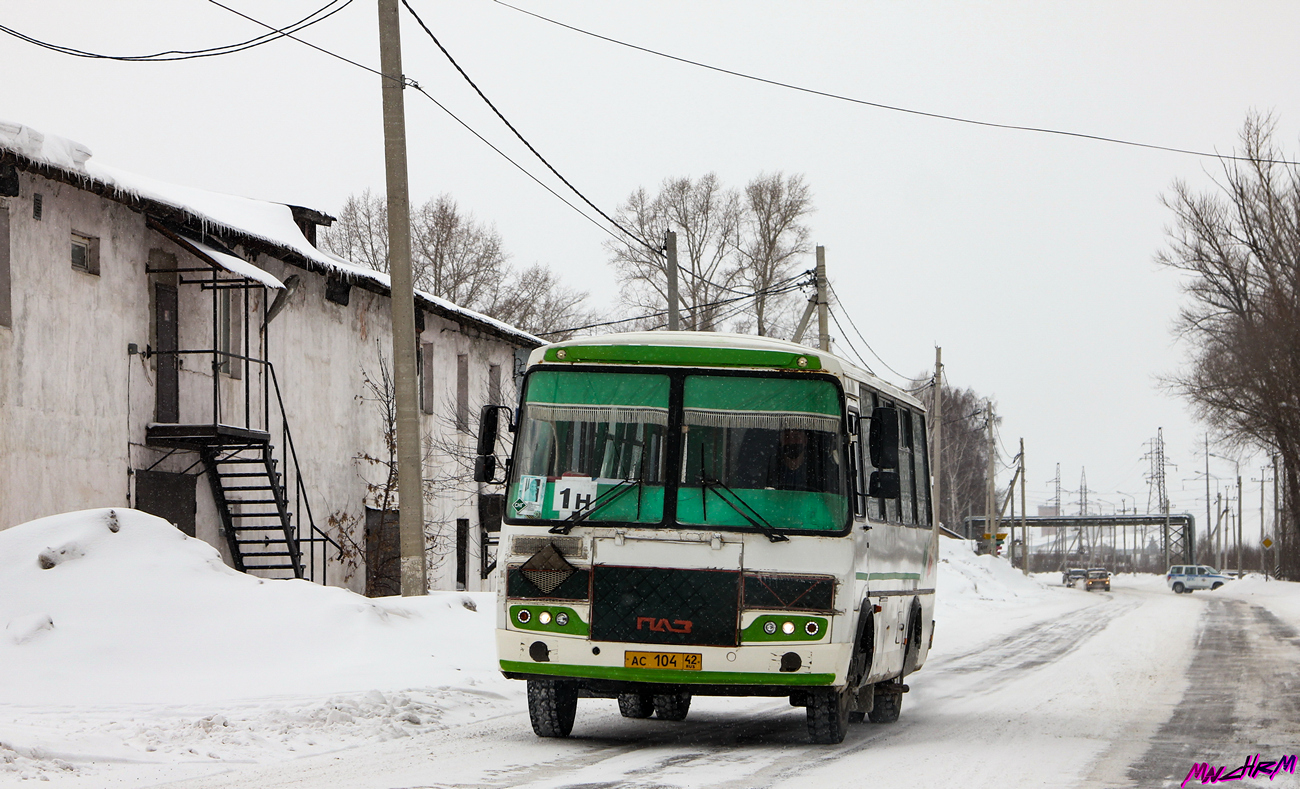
<point>672,706</point>
<point>636,705</point>
<point>828,715</point>
<point>552,706</point>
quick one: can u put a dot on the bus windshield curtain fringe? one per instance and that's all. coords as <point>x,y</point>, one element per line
<point>768,420</point>
<point>614,414</point>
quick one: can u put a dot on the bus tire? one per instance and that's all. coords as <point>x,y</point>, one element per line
<point>888,706</point>
<point>672,706</point>
<point>1178,588</point>
<point>828,715</point>
<point>552,706</point>
<point>636,705</point>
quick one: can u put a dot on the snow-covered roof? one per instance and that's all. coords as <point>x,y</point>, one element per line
<point>270,223</point>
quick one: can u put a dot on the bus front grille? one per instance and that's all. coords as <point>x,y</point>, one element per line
<point>657,605</point>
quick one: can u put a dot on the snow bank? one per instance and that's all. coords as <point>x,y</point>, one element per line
<point>117,606</point>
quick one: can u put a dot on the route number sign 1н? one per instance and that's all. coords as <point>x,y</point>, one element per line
<point>573,493</point>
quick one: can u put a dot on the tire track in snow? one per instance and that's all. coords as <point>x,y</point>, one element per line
<point>1242,698</point>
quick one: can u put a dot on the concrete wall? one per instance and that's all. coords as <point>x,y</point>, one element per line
<point>70,433</point>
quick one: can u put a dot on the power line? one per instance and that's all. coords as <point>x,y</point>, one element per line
<point>416,86</point>
<point>864,339</point>
<point>661,313</point>
<point>653,249</point>
<point>189,54</point>
<point>891,107</point>
<point>847,342</point>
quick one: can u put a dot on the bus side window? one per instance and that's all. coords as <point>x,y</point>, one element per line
<point>855,468</point>
<point>906,479</point>
<point>891,506</point>
<point>921,455</point>
<point>875,508</point>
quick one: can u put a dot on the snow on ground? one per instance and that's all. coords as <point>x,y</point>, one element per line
<point>133,656</point>
<point>123,640</point>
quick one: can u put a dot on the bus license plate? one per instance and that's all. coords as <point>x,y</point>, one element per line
<point>682,661</point>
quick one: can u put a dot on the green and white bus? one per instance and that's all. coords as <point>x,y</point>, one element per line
<point>711,514</point>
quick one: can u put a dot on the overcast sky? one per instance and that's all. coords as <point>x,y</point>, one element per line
<point>1027,257</point>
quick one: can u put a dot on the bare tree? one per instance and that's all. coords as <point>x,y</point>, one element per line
<point>360,234</point>
<point>1240,246</point>
<point>965,457</point>
<point>706,218</point>
<point>458,258</point>
<point>455,256</point>
<point>536,301</point>
<point>774,237</point>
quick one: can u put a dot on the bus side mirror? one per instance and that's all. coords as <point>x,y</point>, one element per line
<point>485,468</point>
<point>884,439</point>
<point>488,428</point>
<point>884,485</point>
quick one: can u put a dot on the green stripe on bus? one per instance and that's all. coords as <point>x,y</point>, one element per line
<point>684,355</point>
<point>889,576</point>
<point>665,675</point>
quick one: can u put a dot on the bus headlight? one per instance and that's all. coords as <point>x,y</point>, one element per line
<point>811,628</point>
<point>524,616</point>
<point>788,628</point>
<point>544,617</point>
<point>769,627</point>
<point>561,619</point>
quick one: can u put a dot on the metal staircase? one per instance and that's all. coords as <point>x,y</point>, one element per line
<point>254,509</point>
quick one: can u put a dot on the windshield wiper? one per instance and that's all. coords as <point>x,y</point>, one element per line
<point>608,497</point>
<point>757,521</point>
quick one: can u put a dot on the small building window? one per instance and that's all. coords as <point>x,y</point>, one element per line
<point>6,310</point>
<point>426,377</point>
<point>462,393</point>
<point>494,384</point>
<point>85,253</point>
<point>38,202</point>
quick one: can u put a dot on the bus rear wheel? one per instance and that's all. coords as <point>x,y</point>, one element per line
<point>672,706</point>
<point>552,706</point>
<point>636,705</point>
<point>888,703</point>
<point>828,715</point>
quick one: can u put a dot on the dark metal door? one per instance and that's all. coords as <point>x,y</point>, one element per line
<point>169,496</point>
<point>168,335</point>
<point>383,554</point>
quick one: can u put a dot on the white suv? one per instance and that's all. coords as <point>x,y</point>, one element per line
<point>1186,577</point>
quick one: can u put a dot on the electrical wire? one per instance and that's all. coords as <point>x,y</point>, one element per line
<point>653,249</point>
<point>416,86</point>
<point>864,339</point>
<point>847,342</point>
<point>189,54</point>
<point>891,107</point>
<point>661,313</point>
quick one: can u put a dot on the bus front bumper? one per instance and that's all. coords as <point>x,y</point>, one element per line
<point>768,665</point>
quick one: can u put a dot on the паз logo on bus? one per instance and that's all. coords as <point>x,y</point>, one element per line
<point>663,626</point>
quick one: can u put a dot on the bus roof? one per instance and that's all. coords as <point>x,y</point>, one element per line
<point>708,349</point>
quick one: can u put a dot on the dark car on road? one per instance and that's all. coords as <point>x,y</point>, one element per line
<point>1068,577</point>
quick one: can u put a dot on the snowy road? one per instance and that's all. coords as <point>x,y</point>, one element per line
<point>1127,689</point>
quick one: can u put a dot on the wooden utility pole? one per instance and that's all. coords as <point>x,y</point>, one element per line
<point>823,330</point>
<point>409,472</point>
<point>674,314</point>
<point>1024,534</point>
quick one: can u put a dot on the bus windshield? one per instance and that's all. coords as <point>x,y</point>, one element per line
<point>762,452</point>
<point>592,445</point>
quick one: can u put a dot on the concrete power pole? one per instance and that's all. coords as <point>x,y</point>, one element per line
<point>991,491</point>
<point>936,454</point>
<point>823,329</point>
<point>674,314</point>
<point>409,472</point>
<point>1024,533</point>
<point>1240,571</point>
<point>1208,517</point>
